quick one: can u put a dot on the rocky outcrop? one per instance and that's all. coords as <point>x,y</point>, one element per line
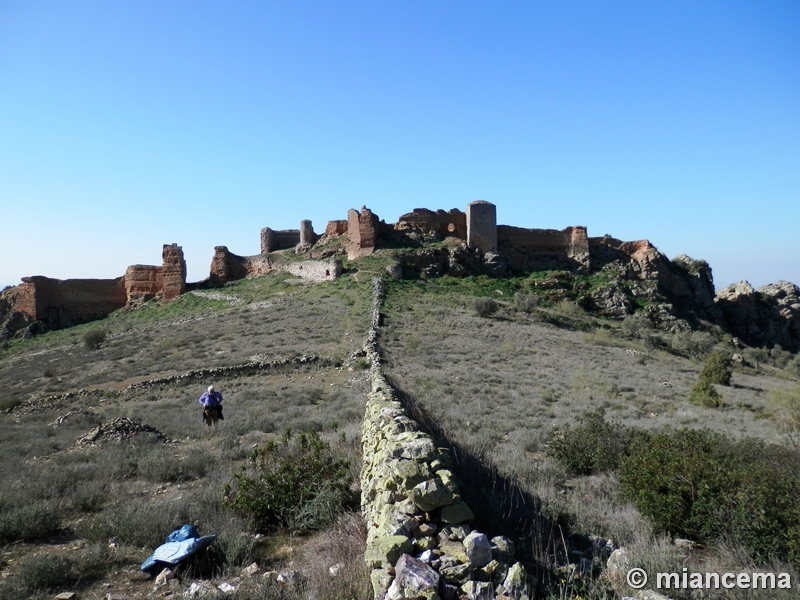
<point>768,316</point>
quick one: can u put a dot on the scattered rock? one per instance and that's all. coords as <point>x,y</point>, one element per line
<point>413,579</point>
<point>226,588</point>
<point>249,570</point>
<point>163,578</point>
<point>117,430</point>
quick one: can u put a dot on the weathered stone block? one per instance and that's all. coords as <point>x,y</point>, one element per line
<point>431,494</point>
<point>478,549</point>
<point>458,512</point>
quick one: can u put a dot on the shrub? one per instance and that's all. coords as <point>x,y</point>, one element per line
<point>717,369</point>
<point>92,340</point>
<point>702,485</point>
<point>484,307</point>
<point>704,394</point>
<point>30,522</point>
<point>592,446</point>
<point>526,303</point>
<point>296,483</point>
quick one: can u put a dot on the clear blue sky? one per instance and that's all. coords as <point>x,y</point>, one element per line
<point>127,125</point>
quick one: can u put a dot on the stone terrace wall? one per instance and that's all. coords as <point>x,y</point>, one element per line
<point>419,543</point>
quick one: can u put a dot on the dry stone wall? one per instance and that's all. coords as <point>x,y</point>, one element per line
<point>419,540</point>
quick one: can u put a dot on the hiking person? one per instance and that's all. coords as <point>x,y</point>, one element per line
<point>212,406</point>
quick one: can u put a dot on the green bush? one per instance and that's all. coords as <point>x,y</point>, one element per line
<point>594,445</point>
<point>484,307</point>
<point>92,340</point>
<point>296,483</point>
<point>703,393</point>
<point>717,369</point>
<point>702,485</point>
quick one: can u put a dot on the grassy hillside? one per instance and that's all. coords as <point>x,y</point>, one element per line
<point>491,367</point>
<point>498,386</point>
<point>85,517</point>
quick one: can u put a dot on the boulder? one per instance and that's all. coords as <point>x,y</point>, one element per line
<point>431,494</point>
<point>478,590</point>
<point>413,579</point>
<point>478,549</point>
<point>502,549</point>
<point>387,550</point>
<point>457,512</point>
<point>516,581</point>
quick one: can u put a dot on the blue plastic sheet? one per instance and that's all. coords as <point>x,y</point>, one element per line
<point>179,545</point>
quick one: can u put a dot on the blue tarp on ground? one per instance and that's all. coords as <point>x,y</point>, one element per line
<point>179,545</point>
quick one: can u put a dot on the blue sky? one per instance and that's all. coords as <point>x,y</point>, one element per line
<point>128,125</point>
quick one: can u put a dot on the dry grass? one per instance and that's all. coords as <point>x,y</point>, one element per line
<point>497,386</point>
<point>132,494</point>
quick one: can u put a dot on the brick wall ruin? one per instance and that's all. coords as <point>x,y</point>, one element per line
<point>142,283</point>
<point>173,272</point>
<point>336,228</point>
<point>362,230</point>
<point>81,299</point>
<point>272,240</point>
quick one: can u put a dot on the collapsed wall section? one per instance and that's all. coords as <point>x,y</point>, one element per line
<point>419,541</point>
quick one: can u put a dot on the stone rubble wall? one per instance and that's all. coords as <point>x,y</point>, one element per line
<point>419,541</point>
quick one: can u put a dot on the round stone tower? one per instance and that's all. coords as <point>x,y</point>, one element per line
<point>482,226</point>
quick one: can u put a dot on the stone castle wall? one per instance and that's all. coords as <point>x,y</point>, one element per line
<point>452,223</point>
<point>272,240</point>
<point>227,266</point>
<point>541,249</point>
<point>82,299</point>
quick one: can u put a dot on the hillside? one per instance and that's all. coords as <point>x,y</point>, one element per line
<point>497,365</point>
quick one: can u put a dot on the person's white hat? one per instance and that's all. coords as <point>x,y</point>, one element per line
<point>210,389</point>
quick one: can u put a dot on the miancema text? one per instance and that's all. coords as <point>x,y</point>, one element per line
<point>707,581</point>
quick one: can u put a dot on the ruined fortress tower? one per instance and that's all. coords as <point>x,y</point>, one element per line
<point>482,226</point>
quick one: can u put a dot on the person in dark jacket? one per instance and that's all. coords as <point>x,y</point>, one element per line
<point>212,406</point>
